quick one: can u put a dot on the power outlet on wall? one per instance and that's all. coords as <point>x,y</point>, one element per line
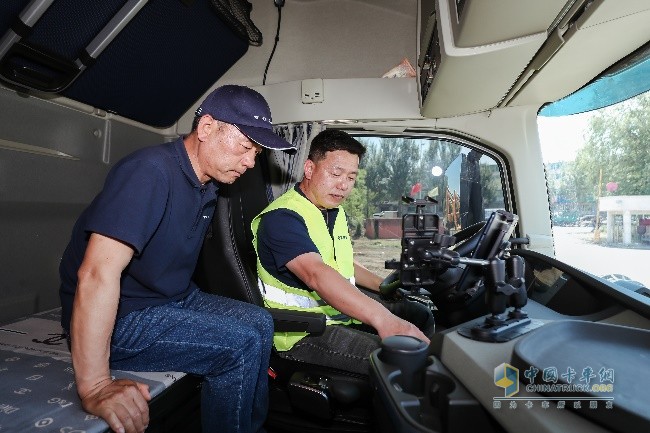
<point>312,91</point>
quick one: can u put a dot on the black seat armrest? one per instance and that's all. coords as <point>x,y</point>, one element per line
<point>297,321</point>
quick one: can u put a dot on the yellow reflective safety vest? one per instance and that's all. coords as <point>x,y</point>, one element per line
<point>336,251</point>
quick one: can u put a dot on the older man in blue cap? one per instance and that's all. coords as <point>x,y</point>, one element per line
<point>128,299</point>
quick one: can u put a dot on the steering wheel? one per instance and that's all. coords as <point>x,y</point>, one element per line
<point>467,238</point>
<point>465,243</point>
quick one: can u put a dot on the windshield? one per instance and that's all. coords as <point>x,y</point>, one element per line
<point>465,182</point>
<point>598,175</point>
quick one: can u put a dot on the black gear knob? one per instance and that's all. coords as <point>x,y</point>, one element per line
<point>409,354</point>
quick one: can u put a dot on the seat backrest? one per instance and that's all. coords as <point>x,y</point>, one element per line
<point>227,263</point>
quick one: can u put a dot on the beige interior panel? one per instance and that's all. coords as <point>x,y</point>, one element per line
<point>604,40</point>
<point>474,79</point>
<point>480,22</point>
<point>601,11</point>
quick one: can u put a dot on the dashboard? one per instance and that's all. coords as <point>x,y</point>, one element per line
<point>578,366</point>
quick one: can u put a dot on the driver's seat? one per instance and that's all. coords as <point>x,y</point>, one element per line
<point>303,397</point>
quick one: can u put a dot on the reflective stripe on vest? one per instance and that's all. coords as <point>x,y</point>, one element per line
<point>304,303</point>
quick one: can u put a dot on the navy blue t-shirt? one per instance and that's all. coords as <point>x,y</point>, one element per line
<point>282,236</point>
<point>153,201</point>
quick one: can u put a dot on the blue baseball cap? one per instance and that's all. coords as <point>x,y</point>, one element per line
<point>247,110</point>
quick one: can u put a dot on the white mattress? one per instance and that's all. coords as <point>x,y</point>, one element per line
<point>37,389</point>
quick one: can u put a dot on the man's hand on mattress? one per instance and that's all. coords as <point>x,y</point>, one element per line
<point>122,403</point>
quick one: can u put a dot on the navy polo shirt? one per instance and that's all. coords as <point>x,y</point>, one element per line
<point>282,236</point>
<point>153,201</point>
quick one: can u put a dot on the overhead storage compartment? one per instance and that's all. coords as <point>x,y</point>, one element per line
<point>473,51</point>
<point>479,22</point>
<point>117,55</point>
<point>477,55</point>
<point>600,28</point>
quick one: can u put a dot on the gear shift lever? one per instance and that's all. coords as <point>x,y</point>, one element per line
<point>409,354</point>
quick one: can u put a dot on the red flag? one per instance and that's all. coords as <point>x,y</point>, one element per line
<point>416,188</point>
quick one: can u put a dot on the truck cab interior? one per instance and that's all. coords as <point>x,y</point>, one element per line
<point>431,86</point>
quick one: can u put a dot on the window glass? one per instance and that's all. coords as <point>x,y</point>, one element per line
<point>598,174</point>
<point>466,183</point>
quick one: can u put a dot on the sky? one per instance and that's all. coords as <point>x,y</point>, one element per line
<point>561,137</point>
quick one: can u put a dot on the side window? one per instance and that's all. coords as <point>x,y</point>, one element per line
<point>466,183</point>
<point>597,168</point>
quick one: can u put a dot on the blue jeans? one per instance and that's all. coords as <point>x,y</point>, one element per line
<point>226,341</point>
